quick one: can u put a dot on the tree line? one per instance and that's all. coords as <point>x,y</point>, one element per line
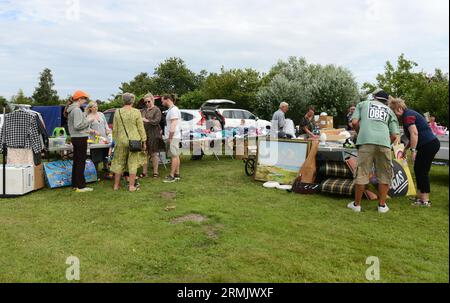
<point>328,88</point>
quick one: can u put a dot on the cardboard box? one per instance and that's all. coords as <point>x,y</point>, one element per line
<point>39,177</point>
<point>325,122</point>
<point>333,132</point>
<point>336,138</point>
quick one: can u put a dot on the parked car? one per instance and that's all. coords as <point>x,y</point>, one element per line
<point>227,117</point>
<point>190,119</point>
<point>241,117</point>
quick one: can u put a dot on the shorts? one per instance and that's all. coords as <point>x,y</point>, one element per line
<point>173,149</point>
<point>370,155</point>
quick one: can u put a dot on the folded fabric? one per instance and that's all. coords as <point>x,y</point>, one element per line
<point>338,186</point>
<point>18,156</point>
<point>331,169</point>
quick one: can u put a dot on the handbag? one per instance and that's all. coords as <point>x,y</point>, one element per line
<point>133,145</point>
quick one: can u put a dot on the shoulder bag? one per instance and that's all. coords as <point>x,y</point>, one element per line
<point>133,145</point>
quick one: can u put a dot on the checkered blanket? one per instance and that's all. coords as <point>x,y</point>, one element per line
<point>331,169</point>
<point>338,186</point>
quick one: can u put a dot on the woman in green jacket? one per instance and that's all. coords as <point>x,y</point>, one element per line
<point>127,120</point>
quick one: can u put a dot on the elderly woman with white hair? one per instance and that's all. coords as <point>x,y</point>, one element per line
<point>127,126</point>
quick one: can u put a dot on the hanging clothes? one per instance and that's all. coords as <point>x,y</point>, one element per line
<point>20,130</point>
<point>41,126</point>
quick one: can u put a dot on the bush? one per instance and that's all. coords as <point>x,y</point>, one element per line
<point>329,88</point>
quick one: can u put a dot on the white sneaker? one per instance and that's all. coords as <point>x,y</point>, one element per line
<point>353,207</point>
<point>383,210</point>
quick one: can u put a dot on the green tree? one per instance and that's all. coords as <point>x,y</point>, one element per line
<point>3,104</point>
<point>422,92</point>
<point>329,88</point>
<point>239,85</point>
<point>173,76</point>
<point>192,100</point>
<point>170,76</point>
<point>44,93</point>
<point>20,98</point>
<point>141,84</point>
<point>396,80</point>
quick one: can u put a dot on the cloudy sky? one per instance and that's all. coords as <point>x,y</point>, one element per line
<point>96,45</point>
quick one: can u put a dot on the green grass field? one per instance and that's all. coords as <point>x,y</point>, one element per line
<point>250,234</point>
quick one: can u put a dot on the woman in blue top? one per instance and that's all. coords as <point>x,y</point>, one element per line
<point>424,146</point>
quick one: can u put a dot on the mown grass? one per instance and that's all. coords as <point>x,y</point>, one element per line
<point>251,234</point>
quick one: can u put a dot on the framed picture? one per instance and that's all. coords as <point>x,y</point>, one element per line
<point>280,160</point>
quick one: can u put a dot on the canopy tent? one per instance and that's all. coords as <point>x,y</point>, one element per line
<point>53,116</point>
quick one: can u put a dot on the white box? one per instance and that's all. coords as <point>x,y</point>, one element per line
<point>56,142</point>
<point>19,179</point>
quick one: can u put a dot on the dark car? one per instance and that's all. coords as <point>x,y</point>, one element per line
<point>109,114</point>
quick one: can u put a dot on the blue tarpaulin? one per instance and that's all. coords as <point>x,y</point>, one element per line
<point>52,115</point>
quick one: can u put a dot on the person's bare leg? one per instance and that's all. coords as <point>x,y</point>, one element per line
<point>178,166</point>
<point>132,181</point>
<point>174,166</point>
<point>145,168</point>
<point>117,178</point>
<point>383,190</point>
<point>359,192</point>
<point>424,197</point>
<point>155,163</point>
<point>418,195</point>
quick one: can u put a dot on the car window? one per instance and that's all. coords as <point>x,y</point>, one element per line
<point>248,115</point>
<point>186,116</point>
<point>227,114</point>
<point>238,114</point>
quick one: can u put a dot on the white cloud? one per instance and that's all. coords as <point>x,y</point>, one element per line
<point>112,40</point>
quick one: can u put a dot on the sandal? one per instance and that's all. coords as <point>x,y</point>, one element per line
<point>155,176</point>
<point>134,189</point>
<point>142,176</point>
